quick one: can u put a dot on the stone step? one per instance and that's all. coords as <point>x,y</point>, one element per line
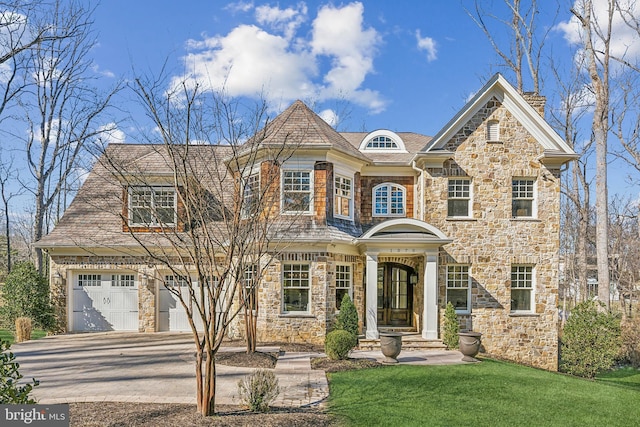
<point>410,341</point>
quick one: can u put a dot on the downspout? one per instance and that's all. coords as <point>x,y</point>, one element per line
<point>421,172</point>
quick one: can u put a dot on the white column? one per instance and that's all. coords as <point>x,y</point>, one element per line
<point>372,296</point>
<point>430,284</point>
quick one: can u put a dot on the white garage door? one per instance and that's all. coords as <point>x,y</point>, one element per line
<point>105,302</point>
<point>172,316</point>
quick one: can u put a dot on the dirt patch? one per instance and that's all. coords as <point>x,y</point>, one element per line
<point>253,360</point>
<point>112,414</point>
<point>329,365</point>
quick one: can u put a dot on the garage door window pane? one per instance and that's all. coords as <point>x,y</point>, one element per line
<point>90,280</point>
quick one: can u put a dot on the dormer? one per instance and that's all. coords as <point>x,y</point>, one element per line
<point>382,141</point>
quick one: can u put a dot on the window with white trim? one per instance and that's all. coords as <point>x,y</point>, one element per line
<point>89,280</point>
<point>296,191</point>
<point>251,195</point>
<point>459,287</point>
<point>123,280</point>
<point>343,195</point>
<point>382,142</point>
<point>152,206</point>
<point>493,131</point>
<point>389,200</point>
<point>523,197</point>
<point>296,286</point>
<point>343,283</point>
<point>459,197</point>
<point>521,288</point>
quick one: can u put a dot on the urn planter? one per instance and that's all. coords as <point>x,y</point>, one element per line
<point>469,345</point>
<point>391,345</point>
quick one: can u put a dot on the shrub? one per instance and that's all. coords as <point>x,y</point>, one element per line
<point>339,343</point>
<point>451,327</point>
<point>348,317</point>
<point>26,294</point>
<point>631,340</point>
<point>590,340</point>
<point>23,329</point>
<point>10,391</point>
<point>259,390</point>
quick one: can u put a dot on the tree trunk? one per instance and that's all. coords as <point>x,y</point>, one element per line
<point>205,381</point>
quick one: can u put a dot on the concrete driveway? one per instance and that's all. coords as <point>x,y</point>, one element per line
<point>131,367</point>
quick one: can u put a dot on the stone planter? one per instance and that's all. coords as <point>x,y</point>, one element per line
<point>469,345</point>
<point>391,345</point>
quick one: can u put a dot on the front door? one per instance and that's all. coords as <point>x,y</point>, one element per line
<point>395,295</point>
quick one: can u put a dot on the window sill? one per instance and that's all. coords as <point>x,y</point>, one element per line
<point>296,315</point>
<point>460,218</point>
<point>523,314</point>
<point>490,141</point>
<point>525,219</point>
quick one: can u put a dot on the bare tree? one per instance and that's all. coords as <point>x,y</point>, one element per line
<point>596,45</point>
<point>217,157</point>
<point>625,251</point>
<point>62,110</point>
<point>7,174</point>
<point>524,53</point>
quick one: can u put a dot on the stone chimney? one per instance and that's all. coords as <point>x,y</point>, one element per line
<point>536,101</point>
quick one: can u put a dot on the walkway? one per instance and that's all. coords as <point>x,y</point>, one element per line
<point>159,368</point>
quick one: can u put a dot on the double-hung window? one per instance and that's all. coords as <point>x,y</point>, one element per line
<point>296,285</point>
<point>459,287</point>
<point>251,195</point>
<point>459,198</point>
<point>343,196</point>
<point>521,288</point>
<point>343,283</point>
<point>389,200</point>
<point>297,190</point>
<point>522,198</point>
<point>152,206</point>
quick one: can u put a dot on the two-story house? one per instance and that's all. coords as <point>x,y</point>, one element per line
<point>402,222</point>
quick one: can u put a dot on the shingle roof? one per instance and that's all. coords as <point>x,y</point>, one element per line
<point>298,124</point>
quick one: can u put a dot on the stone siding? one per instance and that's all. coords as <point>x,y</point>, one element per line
<point>491,241</point>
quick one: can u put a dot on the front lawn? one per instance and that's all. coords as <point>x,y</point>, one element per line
<point>7,335</point>
<point>490,393</point>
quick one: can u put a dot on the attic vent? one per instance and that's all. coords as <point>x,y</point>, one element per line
<point>493,131</point>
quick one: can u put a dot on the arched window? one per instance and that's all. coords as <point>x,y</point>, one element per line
<point>389,200</point>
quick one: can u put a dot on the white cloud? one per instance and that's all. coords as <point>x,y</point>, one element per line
<point>271,59</point>
<point>110,134</point>
<point>106,73</point>
<point>625,42</point>
<point>240,6</point>
<point>286,20</point>
<point>428,45</point>
<point>330,117</point>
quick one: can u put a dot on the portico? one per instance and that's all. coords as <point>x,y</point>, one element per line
<point>403,237</point>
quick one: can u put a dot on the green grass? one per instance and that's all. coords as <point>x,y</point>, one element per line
<point>7,335</point>
<point>490,393</point>
<point>625,377</point>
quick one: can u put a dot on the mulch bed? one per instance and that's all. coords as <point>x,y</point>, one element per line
<point>112,414</point>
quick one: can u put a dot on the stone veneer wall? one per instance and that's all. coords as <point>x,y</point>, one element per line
<point>491,241</point>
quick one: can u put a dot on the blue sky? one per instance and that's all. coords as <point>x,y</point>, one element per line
<point>406,66</point>
<point>400,65</point>
<point>403,65</point>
